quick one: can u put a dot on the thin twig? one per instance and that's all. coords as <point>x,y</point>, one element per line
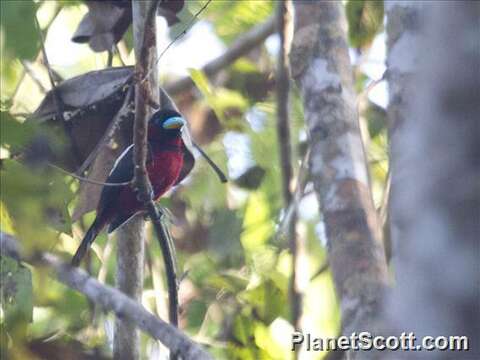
<point>119,53</point>
<point>81,178</point>
<point>158,287</point>
<point>109,299</point>
<point>28,69</point>
<point>302,179</point>
<point>284,23</point>
<point>106,253</point>
<point>180,35</point>
<point>44,32</point>
<point>365,92</point>
<point>57,100</point>
<point>110,58</point>
<point>131,238</point>
<point>383,209</point>
<point>22,115</point>
<point>145,65</point>
<point>324,267</point>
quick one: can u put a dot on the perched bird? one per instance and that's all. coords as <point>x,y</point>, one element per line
<point>164,164</point>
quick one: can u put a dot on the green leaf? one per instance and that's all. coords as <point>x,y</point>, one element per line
<point>5,220</point>
<point>243,329</point>
<point>258,225</point>
<point>16,294</point>
<point>201,81</point>
<point>36,197</point>
<point>228,281</point>
<point>231,18</point>
<point>365,19</point>
<point>196,312</point>
<point>225,99</point>
<point>69,3</point>
<point>14,134</point>
<point>227,225</point>
<point>265,341</point>
<point>268,300</point>
<point>224,102</point>
<point>18,32</point>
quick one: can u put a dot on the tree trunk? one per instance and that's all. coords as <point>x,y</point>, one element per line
<point>435,203</point>
<point>321,67</point>
<point>130,259</point>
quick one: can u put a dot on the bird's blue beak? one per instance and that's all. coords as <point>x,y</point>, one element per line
<point>175,122</point>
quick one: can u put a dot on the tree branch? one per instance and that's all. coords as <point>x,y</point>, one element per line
<point>110,299</point>
<point>145,57</point>
<point>131,238</point>
<point>57,99</point>
<point>29,70</point>
<point>240,47</point>
<point>284,25</point>
<point>322,70</point>
<point>57,10</point>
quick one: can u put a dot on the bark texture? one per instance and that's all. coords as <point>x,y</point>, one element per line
<point>129,280</point>
<point>435,205</point>
<point>321,67</point>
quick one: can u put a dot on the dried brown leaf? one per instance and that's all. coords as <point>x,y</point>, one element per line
<point>89,194</point>
<point>104,25</point>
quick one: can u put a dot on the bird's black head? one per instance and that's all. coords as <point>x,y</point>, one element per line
<point>166,122</point>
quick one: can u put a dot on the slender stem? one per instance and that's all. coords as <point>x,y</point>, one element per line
<point>90,181</point>
<point>57,99</point>
<point>131,237</point>
<point>180,35</point>
<point>284,14</point>
<point>147,92</point>
<point>28,69</point>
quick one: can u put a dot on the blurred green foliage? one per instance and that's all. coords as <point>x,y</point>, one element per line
<point>231,18</point>
<point>18,41</point>
<point>234,298</point>
<point>365,19</point>
<point>16,297</point>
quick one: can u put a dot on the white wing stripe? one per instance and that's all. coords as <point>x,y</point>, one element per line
<point>122,155</point>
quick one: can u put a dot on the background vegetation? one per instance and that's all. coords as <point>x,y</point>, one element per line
<point>230,239</point>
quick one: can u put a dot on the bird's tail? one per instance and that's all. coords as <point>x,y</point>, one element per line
<point>86,242</point>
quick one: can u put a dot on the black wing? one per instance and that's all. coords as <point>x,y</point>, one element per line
<point>122,171</point>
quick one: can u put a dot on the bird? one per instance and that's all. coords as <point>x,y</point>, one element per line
<point>118,204</point>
